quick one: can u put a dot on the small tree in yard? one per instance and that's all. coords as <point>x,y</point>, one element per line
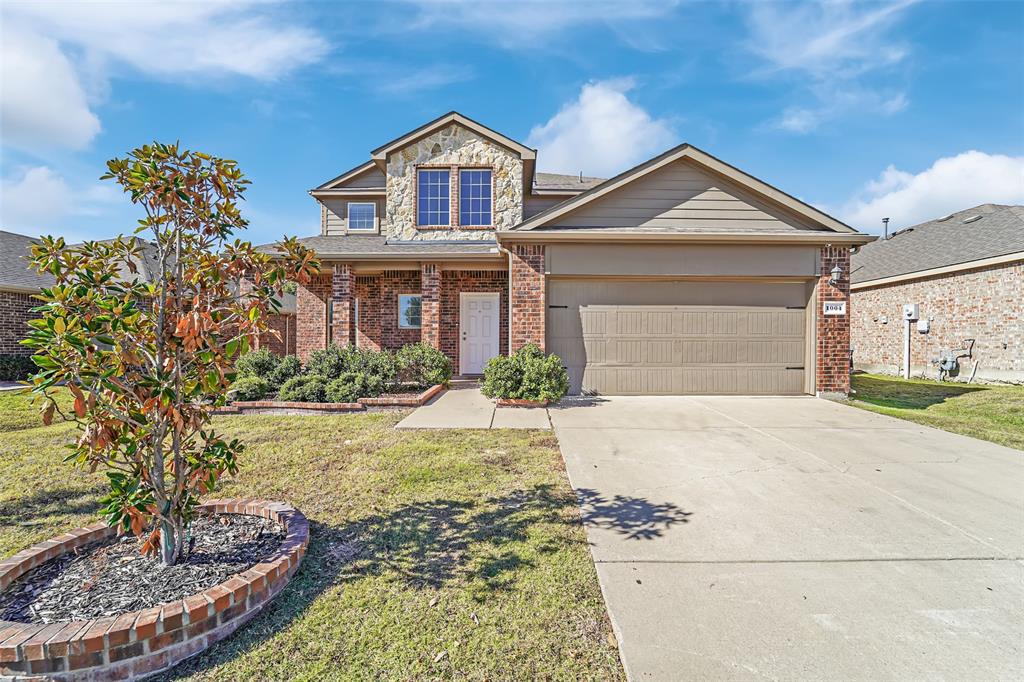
<point>147,360</point>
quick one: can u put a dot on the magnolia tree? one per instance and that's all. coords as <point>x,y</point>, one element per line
<point>147,358</point>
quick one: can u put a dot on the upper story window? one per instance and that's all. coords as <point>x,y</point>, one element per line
<point>362,215</point>
<point>475,197</point>
<point>433,192</point>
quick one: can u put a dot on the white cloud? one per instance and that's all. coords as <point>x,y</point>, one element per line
<point>951,184</point>
<point>38,201</point>
<point>831,48</point>
<point>600,133</point>
<point>42,99</point>
<point>406,82</point>
<point>75,47</point>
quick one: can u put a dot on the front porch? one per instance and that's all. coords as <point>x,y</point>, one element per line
<point>460,308</point>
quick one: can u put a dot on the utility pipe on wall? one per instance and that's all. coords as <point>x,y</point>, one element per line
<point>906,348</point>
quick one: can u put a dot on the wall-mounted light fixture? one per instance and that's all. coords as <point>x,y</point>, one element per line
<point>834,275</point>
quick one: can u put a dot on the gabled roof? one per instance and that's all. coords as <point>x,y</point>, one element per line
<point>981,233</point>
<point>558,183</point>
<point>380,153</point>
<point>701,158</point>
<point>380,247</point>
<point>347,175</point>
<point>15,256</point>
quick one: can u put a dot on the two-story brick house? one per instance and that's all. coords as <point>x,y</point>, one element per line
<point>681,275</point>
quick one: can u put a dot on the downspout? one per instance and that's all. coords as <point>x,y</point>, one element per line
<point>508,255</point>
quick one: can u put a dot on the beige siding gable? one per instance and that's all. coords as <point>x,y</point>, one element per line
<point>682,196</point>
<point>372,178</point>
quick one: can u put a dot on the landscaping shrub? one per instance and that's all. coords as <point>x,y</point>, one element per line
<point>289,367</point>
<point>257,363</point>
<point>423,365</point>
<point>527,374</point>
<point>305,388</point>
<point>351,386</point>
<point>249,388</point>
<point>335,360</point>
<point>16,367</point>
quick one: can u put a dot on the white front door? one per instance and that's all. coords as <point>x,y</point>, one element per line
<point>478,331</point>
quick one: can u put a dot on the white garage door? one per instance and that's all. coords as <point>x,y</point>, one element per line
<point>630,337</point>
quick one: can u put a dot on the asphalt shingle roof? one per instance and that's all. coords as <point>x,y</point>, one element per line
<point>558,181</point>
<point>15,256</point>
<point>942,242</point>
<point>341,245</point>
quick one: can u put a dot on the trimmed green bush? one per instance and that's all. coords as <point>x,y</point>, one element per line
<point>423,365</point>
<point>527,374</point>
<point>335,360</point>
<point>249,388</point>
<point>257,363</point>
<point>16,367</point>
<point>351,386</point>
<point>289,367</point>
<point>305,388</point>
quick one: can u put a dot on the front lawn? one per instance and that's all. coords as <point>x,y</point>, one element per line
<point>994,413</point>
<point>448,554</point>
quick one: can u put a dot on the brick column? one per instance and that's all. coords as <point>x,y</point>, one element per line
<point>341,298</point>
<point>528,298</point>
<point>833,332</point>
<point>430,313</point>
<point>311,315</point>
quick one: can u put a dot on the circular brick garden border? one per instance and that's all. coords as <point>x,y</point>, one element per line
<point>144,642</point>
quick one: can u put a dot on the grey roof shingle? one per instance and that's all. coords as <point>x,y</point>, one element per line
<point>364,245</point>
<point>942,242</point>
<point>15,256</point>
<point>558,181</point>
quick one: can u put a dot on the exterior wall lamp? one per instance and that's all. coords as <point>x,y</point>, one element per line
<point>834,275</point>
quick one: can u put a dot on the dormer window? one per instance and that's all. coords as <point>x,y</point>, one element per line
<point>434,195</point>
<point>475,197</point>
<point>362,216</point>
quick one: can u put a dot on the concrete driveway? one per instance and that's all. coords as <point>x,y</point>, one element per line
<point>796,538</point>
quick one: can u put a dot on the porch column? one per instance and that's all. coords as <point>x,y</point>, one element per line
<point>341,300</point>
<point>527,296</point>
<point>430,311</point>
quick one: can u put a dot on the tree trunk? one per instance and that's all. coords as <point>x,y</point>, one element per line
<point>169,544</point>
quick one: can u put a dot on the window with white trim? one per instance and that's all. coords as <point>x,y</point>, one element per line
<point>433,194</point>
<point>475,197</point>
<point>362,216</point>
<point>410,308</point>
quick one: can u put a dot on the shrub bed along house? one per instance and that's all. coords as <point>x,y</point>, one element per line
<point>526,377</point>
<point>16,367</point>
<point>339,374</point>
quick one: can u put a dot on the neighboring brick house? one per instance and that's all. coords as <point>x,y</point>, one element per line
<point>17,285</point>
<point>682,275</point>
<point>965,272</point>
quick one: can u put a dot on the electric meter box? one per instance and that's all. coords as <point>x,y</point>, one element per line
<point>910,311</point>
<point>923,326</point>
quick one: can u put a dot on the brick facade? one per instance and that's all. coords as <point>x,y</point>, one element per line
<point>982,304</point>
<point>430,312</point>
<point>15,312</point>
<point>832,353</point>
<point>455,282</point>
<point>342,328</point>
<point>528,298</point>
<point>311,314</point>
<point>280,338</point>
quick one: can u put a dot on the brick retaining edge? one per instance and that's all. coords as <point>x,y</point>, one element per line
<point>141,643</point>
<point>257,406</point>
<point>520,402</point>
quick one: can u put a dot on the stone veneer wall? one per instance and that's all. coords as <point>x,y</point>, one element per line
<point>833,333</point>
<point>15,312</point>
<point>982,304</point>
<point>451,146</point>
<point>528,295</point>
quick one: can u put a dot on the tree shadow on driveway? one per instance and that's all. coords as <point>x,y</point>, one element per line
<point>633,517</point>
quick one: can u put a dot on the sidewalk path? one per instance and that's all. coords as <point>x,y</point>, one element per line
<point>464,407</point>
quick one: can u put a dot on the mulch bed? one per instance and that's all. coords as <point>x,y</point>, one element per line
<point>111,577</point>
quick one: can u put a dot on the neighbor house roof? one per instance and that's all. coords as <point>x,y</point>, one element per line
<point>15,255</point>
<point>703,159</point>
<point>989,232</point>
<point>374,247</point>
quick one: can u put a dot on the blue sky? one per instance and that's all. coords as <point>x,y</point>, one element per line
<point>905,109</point>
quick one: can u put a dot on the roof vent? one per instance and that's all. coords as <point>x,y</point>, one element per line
<point>973,218</point>
<point>945,218</point>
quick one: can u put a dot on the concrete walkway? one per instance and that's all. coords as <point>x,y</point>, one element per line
<point>464,407</point>
<point>798,539</point>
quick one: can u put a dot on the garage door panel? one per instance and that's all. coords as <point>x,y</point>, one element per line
<point>623,338</point>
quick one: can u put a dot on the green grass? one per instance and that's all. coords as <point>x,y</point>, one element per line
<point>994,413</point>
<point>449,554</point>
